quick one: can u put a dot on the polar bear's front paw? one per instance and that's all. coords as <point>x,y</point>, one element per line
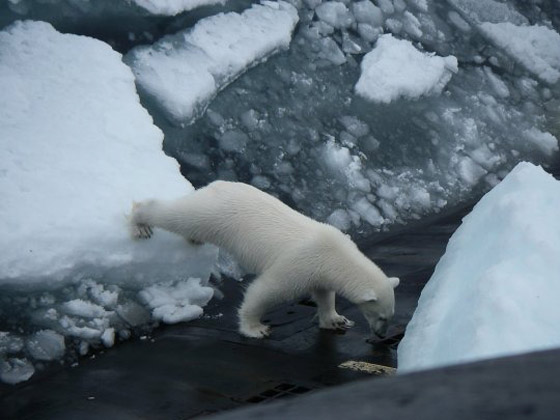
<point>254,331</point>
<point>142,231</point>
<point>335,322</point>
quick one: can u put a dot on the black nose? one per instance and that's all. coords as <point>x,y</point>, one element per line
<point>380,334</point>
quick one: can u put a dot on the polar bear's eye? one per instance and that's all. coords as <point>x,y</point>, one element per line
<point>382,318</point>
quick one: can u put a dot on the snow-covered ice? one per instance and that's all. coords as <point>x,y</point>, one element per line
<point>183,72</point>
<point>477,11</point>
<point>173,7</point>
<point>495,291</point>
<point>69,179</point>
<point>77,148</point>
<point>536,47</point>
<point>74,8</point>
<point>396,69</point>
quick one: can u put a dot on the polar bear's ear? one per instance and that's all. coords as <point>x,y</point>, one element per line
<point>394,281</point>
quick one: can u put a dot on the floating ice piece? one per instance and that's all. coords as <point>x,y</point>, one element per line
<point>396,69</point>
<point>478,11</point>
<point>184,72</point>
<point>84,309</point>
<point>13,371</point>
<point>87,330</point>
<point>104,297</point>
<point>73,8</point>
<point>368,212</point>
<point>46,345</point>
<point>174,7</point>
<point>386,6</point>
<point>177,302</point>
<point>366,12</point>
<point>69,178</point>
<point>108,337</point>
<point>340,161</point>
<point>354,126</point>
<point>10,343</point>
<point>545,141</point>
<point>335,14</point>
<point>340,219</point>
<point>495,291</point>
<point>537,48</point>
<point>133,314</point>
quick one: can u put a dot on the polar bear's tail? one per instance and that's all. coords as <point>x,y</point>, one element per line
<point>137,229</point>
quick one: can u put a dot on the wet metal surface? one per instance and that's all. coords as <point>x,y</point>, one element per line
<point>513,388</point>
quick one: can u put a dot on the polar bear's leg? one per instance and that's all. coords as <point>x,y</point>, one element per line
<point>259,297</point>
<point>177,216</point>
<point>328,317</point>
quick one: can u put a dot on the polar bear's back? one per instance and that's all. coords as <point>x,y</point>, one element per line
<point>248,222</point>
<point>256,210</point>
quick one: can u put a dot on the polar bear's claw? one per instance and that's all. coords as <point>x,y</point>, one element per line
<point>257,331</point>
<point>142,231</point>
<point>337,322</point>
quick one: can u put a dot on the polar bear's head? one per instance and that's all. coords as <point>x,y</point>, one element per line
<point>378,305</point>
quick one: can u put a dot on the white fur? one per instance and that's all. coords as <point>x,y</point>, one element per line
<point>291,254</point>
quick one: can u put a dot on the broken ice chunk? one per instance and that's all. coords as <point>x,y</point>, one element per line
<point>13,371</point>
<point>340,219</point>
<point>334,13</point>
<point>9,343</point>
<point>537,48</point>
<point>544,141</point>
<point>173,7</point>
<point>46,345</point>
<point>366,12</point>
<point>177,302</point>
<point>85,309</point>
<point>396,69</point>
<point>108,337</point>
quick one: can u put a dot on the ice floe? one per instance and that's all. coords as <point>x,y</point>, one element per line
<point>396,69</point>
<point>495,291</point>
<point>183,72</point>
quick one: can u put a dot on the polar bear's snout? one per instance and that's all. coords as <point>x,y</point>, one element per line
<point>378,306</point>
<point>377,318</point>
<point>380,327</point>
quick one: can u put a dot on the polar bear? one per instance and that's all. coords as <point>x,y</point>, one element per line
<point>292,255</point>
